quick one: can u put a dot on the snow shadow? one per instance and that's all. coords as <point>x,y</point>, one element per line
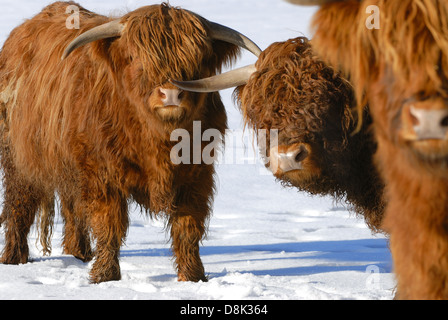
<point>325,256</point>
<point>313,257</point>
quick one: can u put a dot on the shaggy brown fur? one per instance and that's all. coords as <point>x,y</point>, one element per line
<point>310,104</point>
<point>405,61</point>
<point>86,128</point>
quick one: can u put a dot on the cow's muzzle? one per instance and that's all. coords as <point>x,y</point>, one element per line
<point>170,97</point>
<point>283,159</point>
<point>420,124</point>
<point>168,102</point>
<point>424,129</point>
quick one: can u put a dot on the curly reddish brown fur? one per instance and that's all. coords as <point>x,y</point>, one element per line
<point>405,60</point>
<point>85,128</point>
<point>308,102</point>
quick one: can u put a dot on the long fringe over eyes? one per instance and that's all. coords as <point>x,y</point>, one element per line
<point>412,42</point>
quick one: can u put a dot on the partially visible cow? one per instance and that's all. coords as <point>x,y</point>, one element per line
<point>291,90</point>
<point>95,128</point>
<point>401,68</point>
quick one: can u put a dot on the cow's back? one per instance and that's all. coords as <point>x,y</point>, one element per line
<point>40,95</point>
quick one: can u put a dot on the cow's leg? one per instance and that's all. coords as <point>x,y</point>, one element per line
<point>109,222</point>
<point>46,223</point>
<point>187,231</point>
<point>76,236</point>
<point>188,225</point>
<point>21,202</point>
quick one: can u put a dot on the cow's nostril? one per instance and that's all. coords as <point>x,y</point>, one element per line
<point>162,94</point>
<point>301,155</point>
<point>413,118</point>
<point>444,122</point>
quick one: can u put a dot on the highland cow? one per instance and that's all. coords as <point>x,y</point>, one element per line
<point>291,91</point>
<point>95,128</point>
<point>401,69</point>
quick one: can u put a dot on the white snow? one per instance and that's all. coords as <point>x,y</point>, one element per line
<point>264,241</point>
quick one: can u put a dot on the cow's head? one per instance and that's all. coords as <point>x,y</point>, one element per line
<point>400,66</point>
<point>291,91</point>
<point>148,46</point>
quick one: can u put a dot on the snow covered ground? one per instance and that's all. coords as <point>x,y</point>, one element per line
<point>264,242</point>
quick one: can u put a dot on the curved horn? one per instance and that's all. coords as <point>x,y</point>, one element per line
<point>115,28</point>
<point>223,33</point>
<point>310,2</point>
<point>107,30</point>
<point>234,78</point>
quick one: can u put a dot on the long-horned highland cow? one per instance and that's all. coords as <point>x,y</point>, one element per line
<point>95,128</point>
<point>400,66</point>
<point>291,92</point>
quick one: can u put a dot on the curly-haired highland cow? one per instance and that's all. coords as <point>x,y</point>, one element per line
<point>95,128</point>
<point>399,64</point>
<point>291,91</point>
